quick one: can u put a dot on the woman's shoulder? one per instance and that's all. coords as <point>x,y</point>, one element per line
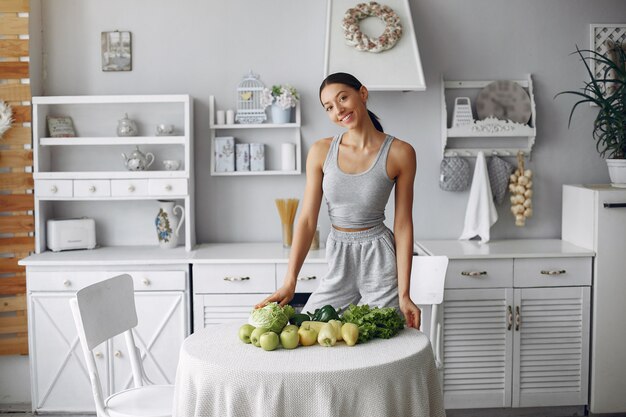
<point>320,147</point>
<point>401,148</point>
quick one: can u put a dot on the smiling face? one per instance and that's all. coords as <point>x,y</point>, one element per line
<point>344,105</point>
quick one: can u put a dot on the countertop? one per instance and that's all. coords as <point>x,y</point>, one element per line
<point>508,248</point>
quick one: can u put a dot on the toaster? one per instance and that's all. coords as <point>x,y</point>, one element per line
<point>67,234</point>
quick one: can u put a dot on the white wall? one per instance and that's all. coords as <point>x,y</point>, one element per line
<point>205,47</point>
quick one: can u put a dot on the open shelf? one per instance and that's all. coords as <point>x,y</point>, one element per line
<point>102,141</point>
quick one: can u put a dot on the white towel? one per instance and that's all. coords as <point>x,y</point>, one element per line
<point>481,212</point>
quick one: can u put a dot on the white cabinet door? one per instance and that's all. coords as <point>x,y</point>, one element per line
<point>551,342</point>
<point>59,378</point>
<point>222,308</point>
<point>478,345</point>
<point>159,336</point>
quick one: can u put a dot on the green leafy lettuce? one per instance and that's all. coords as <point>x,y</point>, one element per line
<point>271,316</point>
<point>374,322</point>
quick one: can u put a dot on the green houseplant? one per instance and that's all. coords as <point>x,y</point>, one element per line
<point>608,92</point>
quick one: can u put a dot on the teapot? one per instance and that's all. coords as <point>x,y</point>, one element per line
<point>126,127</point>
<point>137,160</point>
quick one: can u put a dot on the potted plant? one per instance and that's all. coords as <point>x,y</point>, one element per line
<point>608,92</point>
<point>282,98</point>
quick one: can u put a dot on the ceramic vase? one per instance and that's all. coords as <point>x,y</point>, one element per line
<point>280,115</point>
<point>167,224</point>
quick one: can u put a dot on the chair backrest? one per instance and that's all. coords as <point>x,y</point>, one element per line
<point>107,308</point>
<point>428,276</point>
<point>101,311</point>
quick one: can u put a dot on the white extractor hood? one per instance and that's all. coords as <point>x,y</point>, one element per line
<point>395,69</point>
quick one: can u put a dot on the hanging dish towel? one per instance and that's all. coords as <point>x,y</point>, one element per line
<point>481,212</point>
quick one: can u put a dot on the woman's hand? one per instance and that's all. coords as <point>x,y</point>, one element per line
<point>412,313</point>
<point>282,296</point>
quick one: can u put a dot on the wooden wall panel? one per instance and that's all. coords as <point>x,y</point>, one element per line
<point>16,183</point>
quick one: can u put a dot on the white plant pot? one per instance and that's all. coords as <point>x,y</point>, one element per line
<point>617,172</point>
<point>280,115</point>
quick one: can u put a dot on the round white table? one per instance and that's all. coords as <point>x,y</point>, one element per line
<point>218,375</point>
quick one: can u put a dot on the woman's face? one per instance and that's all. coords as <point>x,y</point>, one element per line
<point>344,105</point>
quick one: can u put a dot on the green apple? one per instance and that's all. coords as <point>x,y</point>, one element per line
<point>307,334</point>
<point>289,337</point>
<point>245,331</point>
<point>255,337</point>
<point>269,341</point>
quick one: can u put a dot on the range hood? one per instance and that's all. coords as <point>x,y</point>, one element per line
<point>396,69</point>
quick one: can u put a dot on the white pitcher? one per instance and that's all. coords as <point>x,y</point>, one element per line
<point>167,224</point>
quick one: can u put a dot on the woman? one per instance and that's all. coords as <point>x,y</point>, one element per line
<point>356,171</point>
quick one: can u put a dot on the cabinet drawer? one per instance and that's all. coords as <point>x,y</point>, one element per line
<point>234,278</point>
<point>210,309</point>
<point>129,188</point>
<point>309,278</point>
<point>552,272</point>
<point>75,280</point>
<point>92,188</point>
<point>53,188</point>
<point>479,273</point>
<point>168,186</point>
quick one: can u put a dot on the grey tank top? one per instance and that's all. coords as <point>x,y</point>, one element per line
<point>357,200</point>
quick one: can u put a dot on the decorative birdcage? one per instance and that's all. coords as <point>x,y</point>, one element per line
<point>249,108</point>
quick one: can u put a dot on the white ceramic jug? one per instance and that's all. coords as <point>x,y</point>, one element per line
<point>167,224</point>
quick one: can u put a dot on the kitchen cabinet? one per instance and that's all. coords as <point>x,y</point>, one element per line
<point>492,136</point>
<point>594,217</point>
<point>86,176</point>
<point>515,323</point>
<point>228,279</point>
<point>59,381</point>
<point>272,135</point>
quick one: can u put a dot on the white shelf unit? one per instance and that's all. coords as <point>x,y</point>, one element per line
<point>79,176</point>
<point>270,134</point>
<point>493,137</point>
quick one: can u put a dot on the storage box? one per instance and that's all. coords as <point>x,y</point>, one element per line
<point>257,157</point>
<point>224,154</point>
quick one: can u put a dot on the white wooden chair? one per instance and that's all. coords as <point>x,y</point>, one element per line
<point>428,276</point>
<point>102,311</point>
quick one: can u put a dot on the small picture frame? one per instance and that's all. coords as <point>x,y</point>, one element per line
<point>61,127</point>
<point>116,51</point>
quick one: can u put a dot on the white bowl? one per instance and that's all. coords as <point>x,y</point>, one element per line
<point>164,130</point>
<point>171,164</point>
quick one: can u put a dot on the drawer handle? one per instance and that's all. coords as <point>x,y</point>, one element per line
<point>518,318</point>
<point>554,272</point>
<point>232,279</point>
<point>146,281</point>
<point>309,278</point>
<point>92,188</point>
<point>473,273</point>
<point>54,189</point>
<point>131,189</point>
<point>67,283</point>
<point>509,318</point>
<point>168,187</point>
<point>118,354</point>
<point>98,354</point>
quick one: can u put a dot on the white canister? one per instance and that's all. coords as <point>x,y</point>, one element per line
<point>230,117</point>
<point>220,117</point>
<point>242,157</point>
<point>288,156</point>
<point>224,154</point>
<point>257,157</point>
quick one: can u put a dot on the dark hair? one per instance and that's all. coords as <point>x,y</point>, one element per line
<point>351,81</point>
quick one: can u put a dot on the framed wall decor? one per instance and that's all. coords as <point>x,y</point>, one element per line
<point>389,59</point>
<point>116,51</point>
<point>602,36</point>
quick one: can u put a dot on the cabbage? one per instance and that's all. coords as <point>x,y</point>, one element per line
<point>272,317</point>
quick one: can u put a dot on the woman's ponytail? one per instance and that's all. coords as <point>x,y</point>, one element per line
<point>375,120</point>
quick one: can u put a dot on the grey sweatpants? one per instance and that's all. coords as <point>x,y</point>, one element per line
<point>361,270</point>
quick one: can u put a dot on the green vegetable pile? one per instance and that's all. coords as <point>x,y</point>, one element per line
<point>374,322</point>
<point>272,316</point>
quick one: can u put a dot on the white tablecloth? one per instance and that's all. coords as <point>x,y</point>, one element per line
<point>218,375</point>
